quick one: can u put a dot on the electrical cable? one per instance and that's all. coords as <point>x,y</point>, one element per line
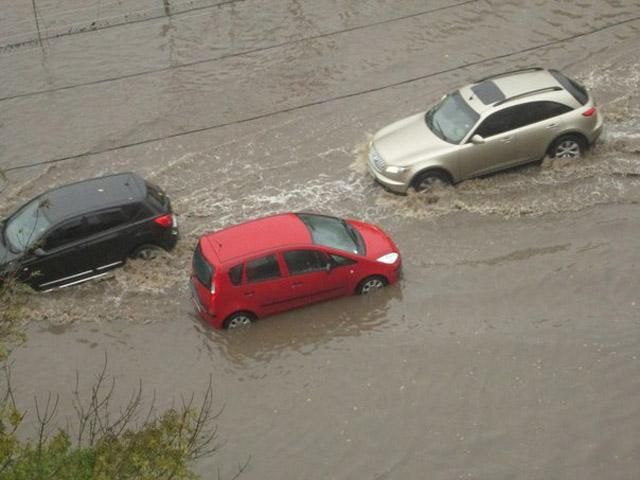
<point>326,100</point>
<point>236,54</point>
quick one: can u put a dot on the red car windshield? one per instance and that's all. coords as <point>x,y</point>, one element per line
<point>333,232</point>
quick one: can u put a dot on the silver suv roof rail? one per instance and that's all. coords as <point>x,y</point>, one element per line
<point>511,72</point>
<point>526,94</point>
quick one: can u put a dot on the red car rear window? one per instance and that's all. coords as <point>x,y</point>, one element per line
<point>203,270</point>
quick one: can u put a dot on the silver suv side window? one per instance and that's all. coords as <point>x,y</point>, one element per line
<point>519,116</point>
<point>539,111</point>
<point>501,121</point>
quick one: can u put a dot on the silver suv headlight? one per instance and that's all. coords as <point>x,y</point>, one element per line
<point>395,169</point>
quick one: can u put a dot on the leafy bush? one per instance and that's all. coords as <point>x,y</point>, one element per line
<point>107,446</point>
<point>12,295</point>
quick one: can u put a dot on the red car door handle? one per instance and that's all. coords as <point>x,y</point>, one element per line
<point>297,284</point>
<point>249,293</point>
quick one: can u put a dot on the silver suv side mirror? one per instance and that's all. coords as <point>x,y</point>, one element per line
<point>477,140</point>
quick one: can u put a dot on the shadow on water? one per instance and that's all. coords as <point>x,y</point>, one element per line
<point>301,331</point>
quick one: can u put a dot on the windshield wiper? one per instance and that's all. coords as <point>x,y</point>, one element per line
<point>352,234</point>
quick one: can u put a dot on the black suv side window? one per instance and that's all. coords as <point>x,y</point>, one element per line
<point>263,268</point>
<point>132,210</point>
<point>67,232</point>
<point>102,221</point>
<point>304,261</point>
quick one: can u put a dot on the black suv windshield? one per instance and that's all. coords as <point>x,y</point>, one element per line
<point>452,118</point>
<point>333,232</point>
<point>27,226</point>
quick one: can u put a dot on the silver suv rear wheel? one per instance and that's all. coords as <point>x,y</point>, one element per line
<point>568,146</point>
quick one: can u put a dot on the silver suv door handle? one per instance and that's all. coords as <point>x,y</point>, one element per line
<point>552,125</point>
<point>506,139</point>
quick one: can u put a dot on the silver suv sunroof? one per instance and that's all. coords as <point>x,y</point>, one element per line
<point>488,92</point>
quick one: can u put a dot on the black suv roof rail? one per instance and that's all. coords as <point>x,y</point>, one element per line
<point>526,94</point>
<point>511,72</point>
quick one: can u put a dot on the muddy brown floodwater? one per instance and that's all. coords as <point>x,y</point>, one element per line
<point>511,348</point>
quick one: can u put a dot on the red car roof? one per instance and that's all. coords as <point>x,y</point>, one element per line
<point>257,235</point>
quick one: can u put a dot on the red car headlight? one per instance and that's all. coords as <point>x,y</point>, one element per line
<point>389,258</point>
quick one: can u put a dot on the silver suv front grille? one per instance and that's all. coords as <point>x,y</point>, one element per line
<point>376,160</point>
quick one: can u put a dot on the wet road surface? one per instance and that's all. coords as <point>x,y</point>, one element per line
<point>510,348</point>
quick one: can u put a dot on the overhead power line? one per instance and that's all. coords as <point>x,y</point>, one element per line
<point>236,54</point>
<point>128,18</point>
<point>327,100</point>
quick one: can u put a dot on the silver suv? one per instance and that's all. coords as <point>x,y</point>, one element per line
<point>495,123</point>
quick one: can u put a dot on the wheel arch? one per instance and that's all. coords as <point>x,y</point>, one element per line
<point>569,133</point>
<point>140,246</point>
<point>434,169</point>
<point>384,278</point>
<point>251,314</point>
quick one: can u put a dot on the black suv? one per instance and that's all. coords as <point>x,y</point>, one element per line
<point>76,232</point>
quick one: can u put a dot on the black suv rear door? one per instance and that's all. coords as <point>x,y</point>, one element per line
<point>110,238</point>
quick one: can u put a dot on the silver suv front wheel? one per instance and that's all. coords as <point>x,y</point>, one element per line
<point>427,181</point>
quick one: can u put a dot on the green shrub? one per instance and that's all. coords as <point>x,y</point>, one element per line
<point>12,298</point>
<point>107,446</point>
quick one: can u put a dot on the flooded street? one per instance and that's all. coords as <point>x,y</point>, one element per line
<point>510,349</point>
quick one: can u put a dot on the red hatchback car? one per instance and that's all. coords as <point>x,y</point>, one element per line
<point>285,261</point>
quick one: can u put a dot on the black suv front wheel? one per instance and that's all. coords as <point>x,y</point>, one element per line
<point>146,252</point>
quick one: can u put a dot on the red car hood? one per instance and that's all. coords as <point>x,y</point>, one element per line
<point>376,241</point>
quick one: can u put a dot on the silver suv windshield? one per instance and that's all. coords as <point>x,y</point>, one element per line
<point>26,227</point>
<point>452,118</point>
<point>333,232</point>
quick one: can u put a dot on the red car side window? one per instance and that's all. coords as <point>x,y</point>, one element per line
<point>235,274</point>
<point>339,260</point>
<point>263,268</point>
<point>304,261</point>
